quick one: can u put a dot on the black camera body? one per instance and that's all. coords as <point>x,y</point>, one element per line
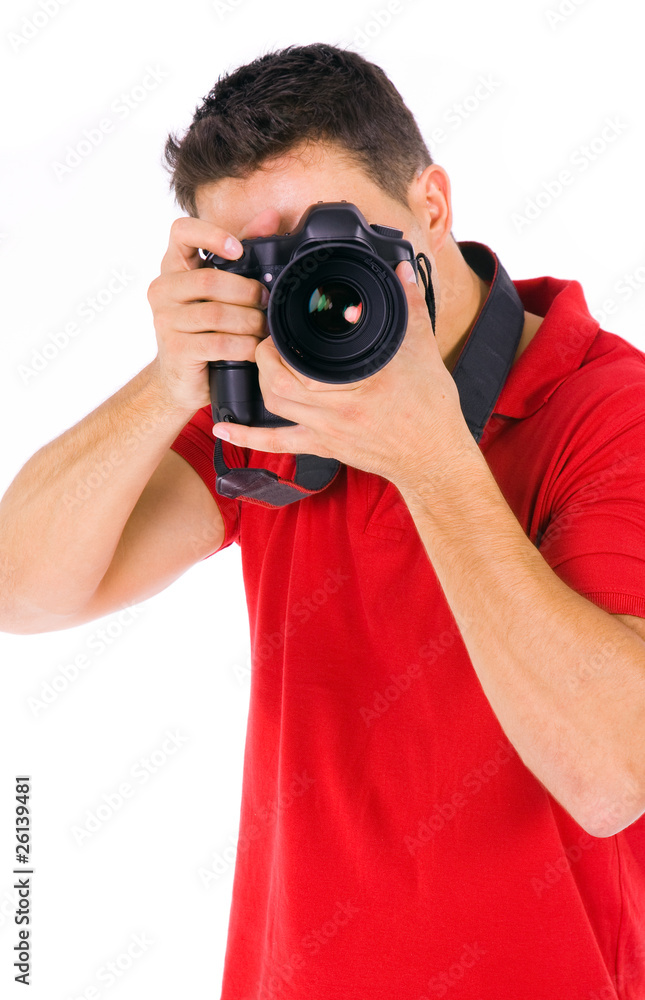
<point>337,312</point>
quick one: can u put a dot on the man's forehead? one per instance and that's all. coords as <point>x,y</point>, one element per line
<point>289,184</point>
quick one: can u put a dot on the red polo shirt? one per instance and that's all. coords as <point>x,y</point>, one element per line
<point>393,846</point>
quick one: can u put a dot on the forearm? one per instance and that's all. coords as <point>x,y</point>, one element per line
<point>565,679</point>
<point>62,516</point>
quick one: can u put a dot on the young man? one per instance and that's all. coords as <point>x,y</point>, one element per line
<point>444,768</point>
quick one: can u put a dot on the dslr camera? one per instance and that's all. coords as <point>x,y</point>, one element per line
<point>337,312</point>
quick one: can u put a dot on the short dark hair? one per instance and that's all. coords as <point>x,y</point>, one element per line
<point>298,94</point>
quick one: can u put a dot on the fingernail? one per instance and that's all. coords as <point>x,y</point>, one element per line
<point>408,271</point>
<point>264,298</point>
<point>219,432</point>
<point>233,246</point>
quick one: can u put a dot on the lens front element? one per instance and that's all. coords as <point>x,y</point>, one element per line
<point>337,313</point>
<point>335,307</point>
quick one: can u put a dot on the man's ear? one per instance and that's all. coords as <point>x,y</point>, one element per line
<point>431,199</point>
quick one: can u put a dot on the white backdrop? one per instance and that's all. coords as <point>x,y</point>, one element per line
<point>509,96</point>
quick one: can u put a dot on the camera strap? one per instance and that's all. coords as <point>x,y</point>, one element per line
<point>480,372</point>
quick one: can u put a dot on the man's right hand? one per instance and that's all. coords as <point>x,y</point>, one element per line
<point>202,314</point>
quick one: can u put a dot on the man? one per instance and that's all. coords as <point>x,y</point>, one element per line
<point>444,768</point>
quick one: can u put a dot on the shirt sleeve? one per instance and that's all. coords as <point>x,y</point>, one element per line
<point>594,538</point>
<point>196,443</point>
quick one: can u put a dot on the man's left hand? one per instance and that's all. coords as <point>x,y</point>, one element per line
<point>389,423</point>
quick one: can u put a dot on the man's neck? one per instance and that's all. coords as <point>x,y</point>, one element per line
<point>462,294</point>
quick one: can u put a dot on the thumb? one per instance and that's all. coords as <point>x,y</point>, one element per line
<point>405,273</point>
<point>414,291</point>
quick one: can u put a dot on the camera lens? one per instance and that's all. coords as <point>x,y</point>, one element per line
<point>335,307</point>
<point>337,313</point>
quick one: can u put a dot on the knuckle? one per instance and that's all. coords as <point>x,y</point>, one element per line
<point>256,322</point>
<point>169,345</point>
<point>238,347</point>
<point>216,314</point>
<point>222,347</point>
<point>163,323</point>
<point>178,227</point>
<point>175,344</point>
<point>281,384</point>
<point>260,350</point>
<point>274,441</point>
<point>348,411</point>
<point>205,279</point>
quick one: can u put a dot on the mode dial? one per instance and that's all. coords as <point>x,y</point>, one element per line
<point>387,231</point>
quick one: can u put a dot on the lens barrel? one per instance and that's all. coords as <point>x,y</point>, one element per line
<point>337,313</point>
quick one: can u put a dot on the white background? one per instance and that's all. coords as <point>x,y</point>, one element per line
<point>182,666</point>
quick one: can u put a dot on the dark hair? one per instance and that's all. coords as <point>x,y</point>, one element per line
<point>298,94</point>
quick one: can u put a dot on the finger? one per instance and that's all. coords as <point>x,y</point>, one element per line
<point>188,234</point>
<point>213,317</point>
<point>273,357</point>
<point>277,378</point>
<point>276,440</point>
<point>209,283</point>
<point>414,293</point>
<point>214,346</point>
<point>419,328</point>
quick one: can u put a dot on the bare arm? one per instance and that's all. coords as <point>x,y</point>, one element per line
<point>99,517</point>
<point>175,523</point>
<point>76,507</point>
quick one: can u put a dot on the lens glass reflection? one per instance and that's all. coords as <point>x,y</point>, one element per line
<point>335,307</point>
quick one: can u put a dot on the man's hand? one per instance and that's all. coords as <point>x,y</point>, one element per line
<point>388,423</point>
<point>202,314</point>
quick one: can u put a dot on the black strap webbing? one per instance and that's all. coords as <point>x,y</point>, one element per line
<point>480,372</point>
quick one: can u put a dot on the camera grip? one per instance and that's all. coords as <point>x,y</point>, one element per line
<point>236,395</point>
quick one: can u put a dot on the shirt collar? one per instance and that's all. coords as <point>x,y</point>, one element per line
<point>556,350</point>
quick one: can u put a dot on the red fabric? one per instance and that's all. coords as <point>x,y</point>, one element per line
<point>393,846</point>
